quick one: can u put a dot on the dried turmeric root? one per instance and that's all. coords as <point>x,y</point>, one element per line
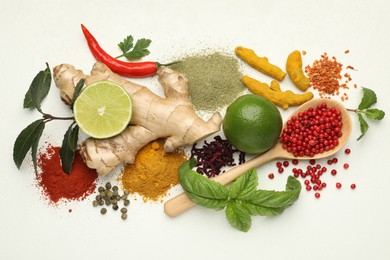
<point>274,94</point>
<point>260,63</point>
<point>171,117</point>
<point>295,72</point>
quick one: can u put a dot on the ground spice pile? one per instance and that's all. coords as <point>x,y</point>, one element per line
<point>153,172</point>
<point>57,185</point>
<point>214,79</point>
<point>326,76</point>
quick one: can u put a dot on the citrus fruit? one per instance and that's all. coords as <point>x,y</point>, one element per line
<point>252,124</point>
<point>103,109</point>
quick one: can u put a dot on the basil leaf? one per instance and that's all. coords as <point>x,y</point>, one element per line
<point>201,190</point>
<point>374,113</point>
<point>363,126</point>
<point>140,50</point>
<point>68,148</point>
<point>238,216</point>
<point>254,209</point>
<point>126,44</point>
<point>26,139</point>
<point>77,91</point>
<point>277,199</point>
<point>369,98</point>
<point>244,186</point>
<point>38,90</point>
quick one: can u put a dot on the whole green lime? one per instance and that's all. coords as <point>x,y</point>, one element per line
<point>252,124</point>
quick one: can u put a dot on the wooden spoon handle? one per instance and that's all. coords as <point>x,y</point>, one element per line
<point>182,203</point>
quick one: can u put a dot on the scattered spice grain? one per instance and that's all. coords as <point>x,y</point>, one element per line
<point>326,76</point>
<point>214,79</point>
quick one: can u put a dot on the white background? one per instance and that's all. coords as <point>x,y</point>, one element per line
<point>342,224</point>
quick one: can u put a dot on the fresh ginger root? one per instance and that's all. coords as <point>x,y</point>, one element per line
<point>274,94</point>
<point>295,72</point>
<point>260,63</point>
<point>172,117</point>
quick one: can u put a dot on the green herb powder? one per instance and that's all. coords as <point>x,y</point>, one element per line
<point>214,79</point>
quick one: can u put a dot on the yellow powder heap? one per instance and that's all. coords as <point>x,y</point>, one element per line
<point>153,172</point>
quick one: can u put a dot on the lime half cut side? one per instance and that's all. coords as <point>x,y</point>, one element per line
<point>103,109</point>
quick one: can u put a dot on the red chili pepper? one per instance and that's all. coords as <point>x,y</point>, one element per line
<point>127,69</point>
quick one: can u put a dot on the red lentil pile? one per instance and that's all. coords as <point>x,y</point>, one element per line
<point>326,74</point>
<point>313,173</point>
<point>313,131</point>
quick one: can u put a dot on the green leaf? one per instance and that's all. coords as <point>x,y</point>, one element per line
<point>254,209</point>
<point>238,216</point>
<point>369,98</point>
<point>68,148</point>
<point>374,113</point>
<point>363,126</point>
<point>34,149</point>
<point>77,91</point>
<point>26,139</point>
<point>38,90</point>
<point>126,44</point>
<point>140,50</point>
<point>244,186</point>
<point>201,190</point>
<point>277,199</point>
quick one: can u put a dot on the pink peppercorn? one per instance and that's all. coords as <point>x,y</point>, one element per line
<point>353,186</point>
<point>338,185</point>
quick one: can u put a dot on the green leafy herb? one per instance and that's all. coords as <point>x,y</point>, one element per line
<point>68,148</point>
<point>363,126</point>
<point>77,91</point>
<point>26,139</point>
<point>127,44</point>
<point>244,187</point>
<point>134,52</point>
<point>38,90</point>
<point>29,137</point>
<point>368,100</point>
<point>238,216</point>
<point>242,199</point>
<point>208,194</point>
<point>374,113</point>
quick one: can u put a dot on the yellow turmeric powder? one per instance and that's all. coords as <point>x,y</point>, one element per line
<point>295,72</point>
<point>274,94</point>
<point>260,63</point>
<point>153,173</point>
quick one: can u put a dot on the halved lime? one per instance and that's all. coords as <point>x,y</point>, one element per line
<point>103,109</point>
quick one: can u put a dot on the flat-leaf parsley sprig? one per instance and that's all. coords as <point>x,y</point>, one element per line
<point>365,108</point>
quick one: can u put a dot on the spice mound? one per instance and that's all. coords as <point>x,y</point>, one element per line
<point>57,185</point>
<point>313,131</point>
<point>214,79</point>
<point>153,172</point>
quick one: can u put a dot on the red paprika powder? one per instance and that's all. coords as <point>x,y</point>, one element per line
<point>57,185</point>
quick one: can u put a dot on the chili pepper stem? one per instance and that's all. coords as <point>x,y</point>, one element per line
<point>167,64</point>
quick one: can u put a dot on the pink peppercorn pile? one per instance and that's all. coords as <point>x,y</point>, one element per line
<point>313,131</point>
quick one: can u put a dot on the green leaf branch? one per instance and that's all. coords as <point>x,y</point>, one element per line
<point>29,137</point>
<point>364,110</point>
<point>241,200</point>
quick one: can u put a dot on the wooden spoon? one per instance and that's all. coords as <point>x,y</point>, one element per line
<point>182,203</point>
